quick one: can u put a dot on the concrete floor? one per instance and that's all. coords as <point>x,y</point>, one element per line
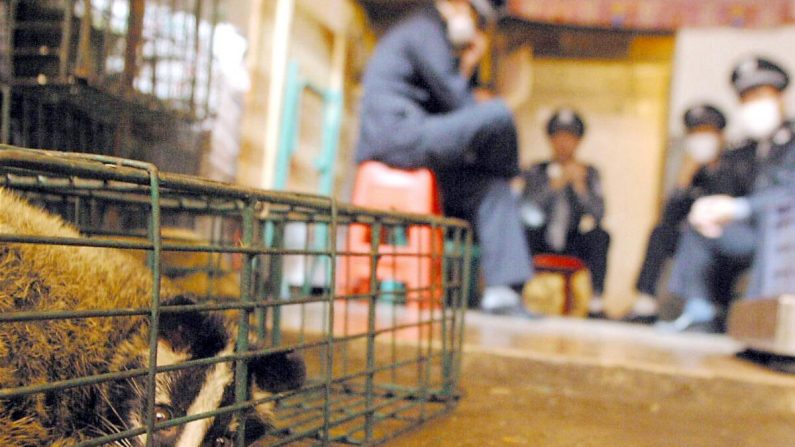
<point>558,382</point>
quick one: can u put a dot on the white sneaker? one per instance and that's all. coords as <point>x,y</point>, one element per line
<point>596,307</point>
<point>645,306</point>
<point>498,298</point>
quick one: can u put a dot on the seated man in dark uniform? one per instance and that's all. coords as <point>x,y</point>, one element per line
<point>723,227</point>
<point>562,203</point>
<point>418,110</point>
<point>698,176</point>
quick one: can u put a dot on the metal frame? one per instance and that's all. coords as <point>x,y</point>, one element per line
<point>376,368</point>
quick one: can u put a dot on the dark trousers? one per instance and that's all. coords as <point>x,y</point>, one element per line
<point>474,151</point>
<point>487,202</point>
<point>590,247</point>
<point>706,268</point>
<point>661,246</point>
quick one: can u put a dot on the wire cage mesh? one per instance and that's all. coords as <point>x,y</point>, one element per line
<point>380,360</point>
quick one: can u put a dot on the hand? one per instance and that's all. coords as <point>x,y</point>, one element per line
<point>577,175</point>
<point>482,94</point>
<point>710,214</point>
<point>471,55</point>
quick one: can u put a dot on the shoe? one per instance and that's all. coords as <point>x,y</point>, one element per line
<point>596,308</point>
<point>504,301</point>
<point>686,324</point>
<point>699,315</point>
<point>499,297</point>
<point>644,311</point>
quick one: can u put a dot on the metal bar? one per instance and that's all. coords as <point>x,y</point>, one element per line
<point>375,240</point>
<point>275,281</point>
<point>64,52</point>
<point>5,114</point>
<point>446,304</point>
<point>107,16</point>
<point>16,317</point>
<point>211,59</point>
<point>154,317</point>
<point>332,275</point>
<point>241,367</point>
<point>462,306</point>
<point>135,24</point>
<point>160,11</point>
<point>197,16</point>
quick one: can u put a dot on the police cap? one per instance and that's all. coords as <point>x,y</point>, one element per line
<point>755,72</point>
<point>566,120</point>
<point>704,115</point>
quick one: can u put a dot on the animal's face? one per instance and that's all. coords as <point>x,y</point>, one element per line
<point>198,390</point>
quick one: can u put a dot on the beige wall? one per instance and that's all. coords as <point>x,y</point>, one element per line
<point>624,104</point>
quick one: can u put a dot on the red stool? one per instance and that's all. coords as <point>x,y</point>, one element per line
<point>567,266</point>
<point>418,265</point>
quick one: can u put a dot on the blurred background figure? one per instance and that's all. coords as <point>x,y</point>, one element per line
<point>563,206</point>
<point>697,177</point>
<point>721,228</point>
<point>418,110</point>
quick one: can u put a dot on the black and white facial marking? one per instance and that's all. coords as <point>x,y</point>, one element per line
<point>188,336</point>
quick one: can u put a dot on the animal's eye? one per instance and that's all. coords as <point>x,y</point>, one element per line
<point>222,442</point>
<point>162,413</point>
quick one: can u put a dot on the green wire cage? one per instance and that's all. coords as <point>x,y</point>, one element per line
<point>379,362</point>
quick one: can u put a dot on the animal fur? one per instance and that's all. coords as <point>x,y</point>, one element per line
<point>35,277</point>
<point>199,273</point>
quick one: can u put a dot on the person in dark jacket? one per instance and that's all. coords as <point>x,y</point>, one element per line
<point>723,226</point>
<point>697,177</point>
<point>418,110</point>
<point>563,205</point>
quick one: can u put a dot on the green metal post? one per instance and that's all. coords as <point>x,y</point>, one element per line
<point>330,330</point>
<point>154,315</point>
<point>241,367</point>
<point>369,417</point>
<point>275,282</point>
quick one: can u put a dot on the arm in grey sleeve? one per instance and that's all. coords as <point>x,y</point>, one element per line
<point>757,203</point>
<point>434,60</point>
<point>593,201</point>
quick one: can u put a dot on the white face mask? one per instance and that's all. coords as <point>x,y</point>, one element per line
<point>460,30</point>
<point>703,147</point>
<point>761,117</point>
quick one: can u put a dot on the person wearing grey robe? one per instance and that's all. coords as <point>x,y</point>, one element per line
<point>418,110</point>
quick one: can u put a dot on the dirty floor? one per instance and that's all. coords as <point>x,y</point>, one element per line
<point>558,382</point>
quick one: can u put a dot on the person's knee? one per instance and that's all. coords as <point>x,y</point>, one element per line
<point>497,117</point>
<point>598,236</point>
<point>660,231</point>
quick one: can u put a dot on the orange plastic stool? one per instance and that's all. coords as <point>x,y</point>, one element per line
<point>564,265</point>
<point>416,262</point>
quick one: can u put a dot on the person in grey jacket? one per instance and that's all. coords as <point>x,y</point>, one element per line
<point>726,226</point>
<point>418,110</point>
<point>563,203</point>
